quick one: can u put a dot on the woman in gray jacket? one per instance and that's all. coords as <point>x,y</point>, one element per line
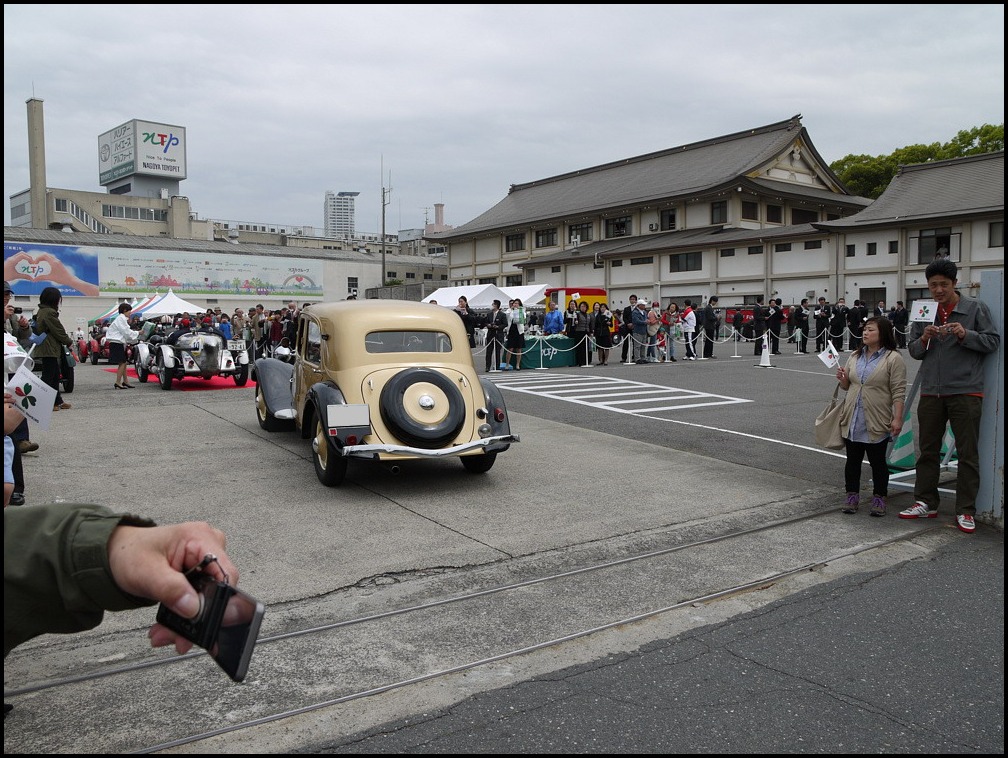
<point>875,380</point>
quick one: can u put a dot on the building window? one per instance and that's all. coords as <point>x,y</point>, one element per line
<point>750,210</point>
<point>774,214</point>
<point>893,247</point>
<point>582,232</point>
<point>546,238</point>
<point>933,243</point>
<point>487,280</point>
<point>755,250</point>
<point>813,244</point>
<point>668,220</point>
<point>872,248</point>
<point>727,252</point>
<point>428,276</point>
<point>618,227</point>
<point>134,214</point>
<point>390,275</point>
<point>530,275</point>
<point>410,275</point>
<point>351,285</point>
<point>60,204</point>
<point>642,261</point>
<point>555,270</point>
<point>514,243</point>
<point>849,251</point>
<point>514,280</point>
<point>995,234</point>
<point>616,263</point>
<point>803,216</point>
<point>782,247</point>
<point>685,262</point>
<point>719,212</point>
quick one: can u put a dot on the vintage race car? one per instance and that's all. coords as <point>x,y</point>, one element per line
<point>385,380</point>
<point>202,352</point>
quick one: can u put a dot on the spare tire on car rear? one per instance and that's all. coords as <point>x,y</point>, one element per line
<point>405,417</point>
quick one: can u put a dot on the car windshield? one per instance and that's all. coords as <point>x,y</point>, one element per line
<point>407,342</point>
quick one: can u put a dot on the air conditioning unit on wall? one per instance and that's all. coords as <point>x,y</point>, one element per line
<point>653,227</point>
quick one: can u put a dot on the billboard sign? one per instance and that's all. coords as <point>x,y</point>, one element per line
<point>142,147</point>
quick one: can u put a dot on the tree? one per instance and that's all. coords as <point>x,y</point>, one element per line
<point>868,176</point>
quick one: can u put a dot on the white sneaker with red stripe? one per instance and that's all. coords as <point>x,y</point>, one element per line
<point>919,510</point>
<point>965,523</point>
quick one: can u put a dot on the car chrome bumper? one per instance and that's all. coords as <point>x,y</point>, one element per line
<point>372,451</point>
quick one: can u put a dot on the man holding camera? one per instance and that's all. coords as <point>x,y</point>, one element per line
<point>952,351</point>
<point>17,325</point>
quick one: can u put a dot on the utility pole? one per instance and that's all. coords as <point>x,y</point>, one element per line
<point>384,204</point>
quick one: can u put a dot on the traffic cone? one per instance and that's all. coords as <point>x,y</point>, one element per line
<point>765,357</point>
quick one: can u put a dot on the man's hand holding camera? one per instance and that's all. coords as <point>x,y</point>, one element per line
<point>10,310</point>
<point>952,328</point>
<point>151,562</point>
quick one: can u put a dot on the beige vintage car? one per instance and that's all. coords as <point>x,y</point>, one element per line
<point>385,380</point>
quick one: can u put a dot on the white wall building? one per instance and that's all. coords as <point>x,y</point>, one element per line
<point>757,212</point>
<point>339,214</point>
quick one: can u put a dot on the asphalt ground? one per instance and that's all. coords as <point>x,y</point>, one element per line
<point>888,635</point>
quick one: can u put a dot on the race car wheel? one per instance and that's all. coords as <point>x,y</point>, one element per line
<point>479,464</point>
<point>164,374</point>
<point>330,466</point>
<point>241,376</point>
<point>423,408</point>
<point>94,358</point>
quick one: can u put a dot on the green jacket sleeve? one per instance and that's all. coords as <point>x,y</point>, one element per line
<point>56,571</point>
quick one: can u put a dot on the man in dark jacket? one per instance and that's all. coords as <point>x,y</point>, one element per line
<point>855,322</point>
<point>900,319</point>
<point>838,324</point>
<point>822,316</point>
<point>626,327</point>
<point>952,352</point>
<point>496,325</point>
<point>759,315</point>
<point>802,326</point>
<point>775,319</point>
<point>711,325</point>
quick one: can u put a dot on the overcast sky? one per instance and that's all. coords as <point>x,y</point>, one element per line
<point>281,103</point>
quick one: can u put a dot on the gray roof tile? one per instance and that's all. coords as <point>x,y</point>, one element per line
<point>970,186</point>
<point>677,172</point>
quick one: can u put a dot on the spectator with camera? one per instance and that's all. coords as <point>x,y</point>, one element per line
<point>17,325</point>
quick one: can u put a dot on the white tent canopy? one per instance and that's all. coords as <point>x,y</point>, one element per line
<point>168,305</point>
<point>531,295</point>
<point>479,295</point>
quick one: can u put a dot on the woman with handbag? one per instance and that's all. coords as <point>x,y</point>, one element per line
<point>875,380</point>
<point>118,336</point>
<point>51,350</point>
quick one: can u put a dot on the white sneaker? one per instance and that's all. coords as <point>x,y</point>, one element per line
<point>918,510</point>
<point>965,523</point>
